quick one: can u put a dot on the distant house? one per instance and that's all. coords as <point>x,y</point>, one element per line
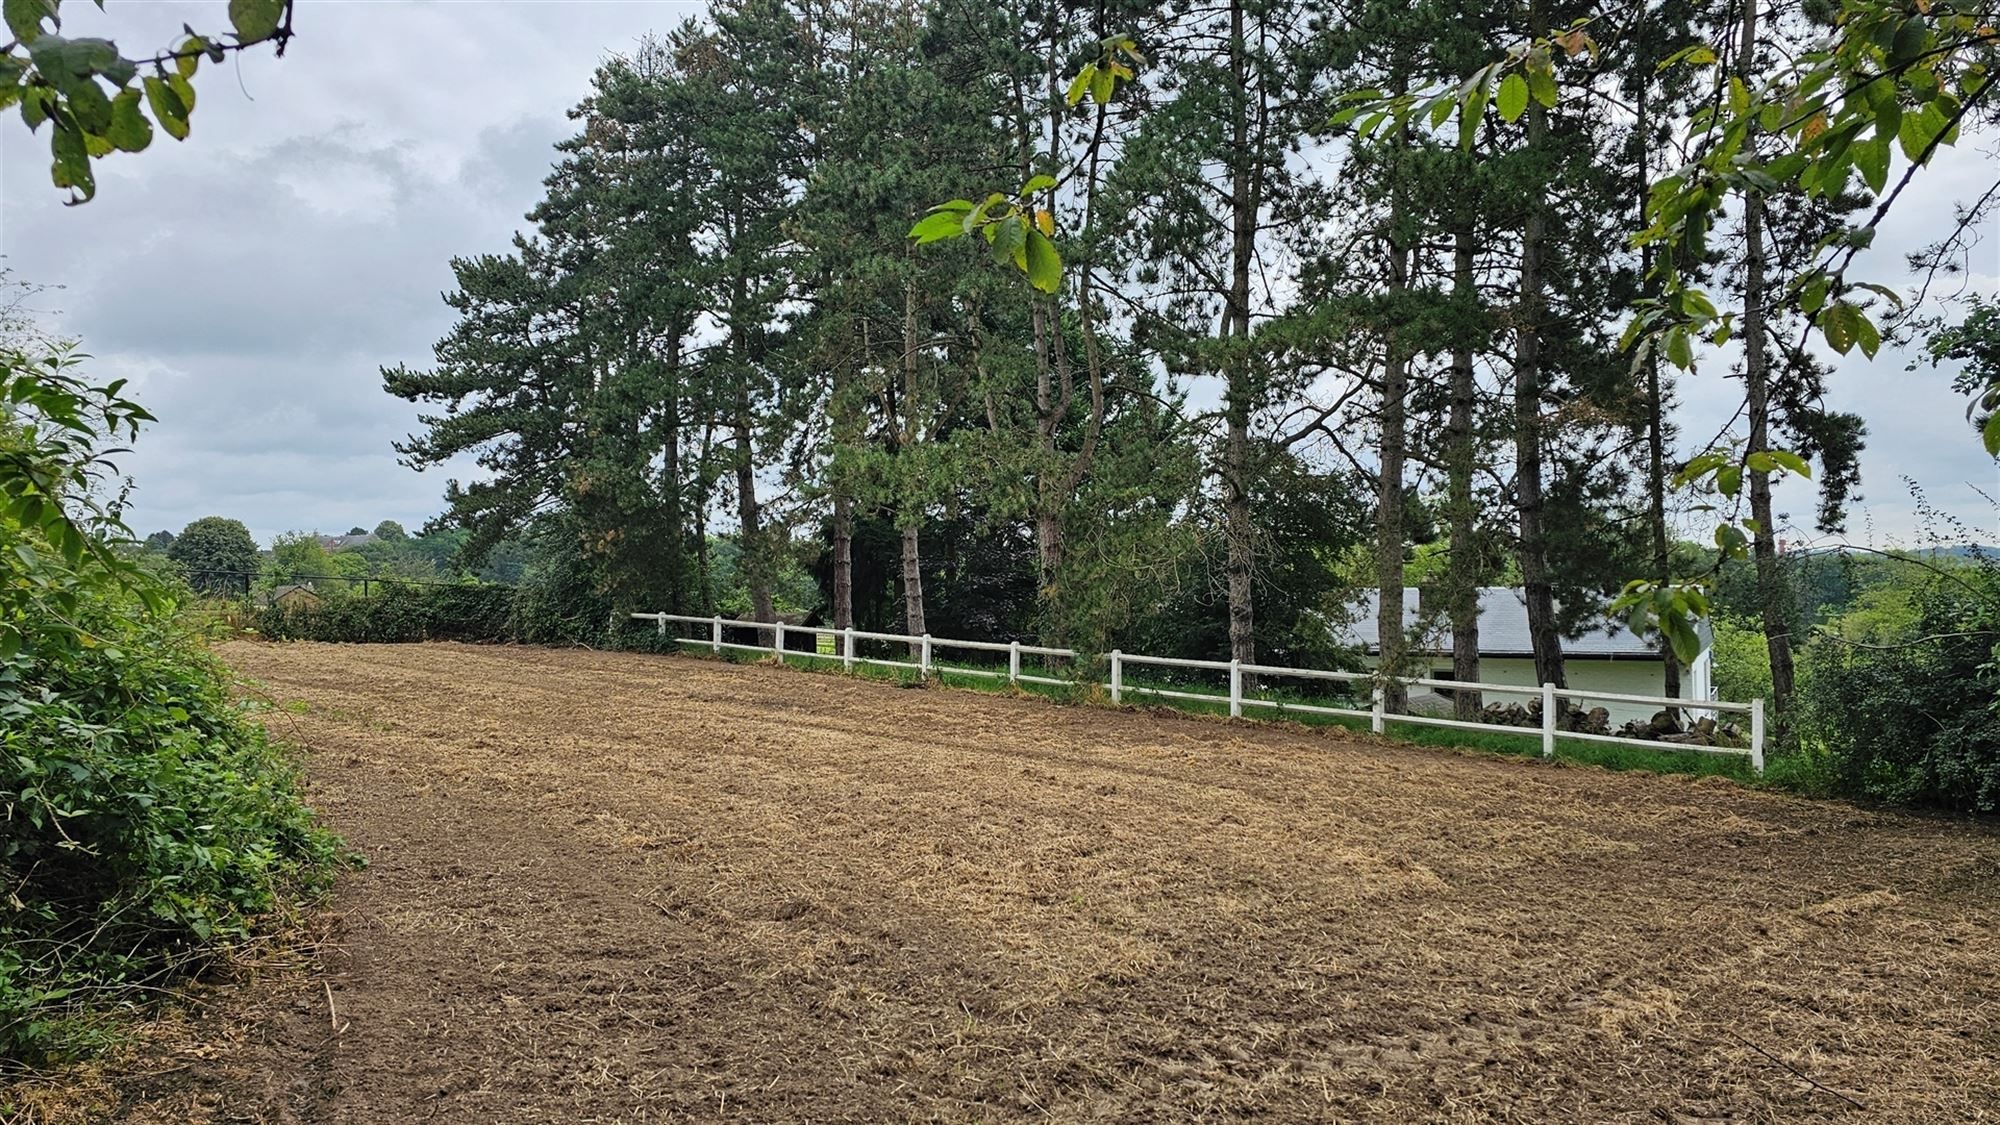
<point>342,542</point>
<point>297,596</point>
<point>1605,656</point>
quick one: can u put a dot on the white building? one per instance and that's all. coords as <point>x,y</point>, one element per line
<point>1607,656</point>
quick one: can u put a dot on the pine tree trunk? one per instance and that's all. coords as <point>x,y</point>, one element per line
<point>1656,507</point>
<point>670,481</point>
<point>913,584</point>
<point>913,573</point>
<point>1461,459</point>
<point>1656,406</point>
<point>843,503</point>
<point>755,556</point>
<point>1239,524</point>
<point>1543,635</point>
<point>843,562</point>
<point>1757,383</point>
<point>1389,534</point>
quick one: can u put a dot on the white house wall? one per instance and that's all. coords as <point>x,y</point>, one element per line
<point>1623,677</point>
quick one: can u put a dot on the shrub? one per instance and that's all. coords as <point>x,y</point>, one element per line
<point>398,614</point>
<point>147,821</point>
<point>143,820</point>
<point>1913,722</point>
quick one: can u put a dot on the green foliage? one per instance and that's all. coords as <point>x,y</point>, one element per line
<point>399,614</point>
<point>1742,661</point>
<point>1886,80</point>
<point>212,551</point>
<point>1915,721</point>
<point>1973,345</point>
<point>1020,230</point>
<point>83,88</point>
<point>146,822</point>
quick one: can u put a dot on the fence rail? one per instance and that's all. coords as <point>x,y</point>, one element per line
<point>1379,717</point>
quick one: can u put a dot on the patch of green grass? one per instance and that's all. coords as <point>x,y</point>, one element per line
<point>1525,744</point>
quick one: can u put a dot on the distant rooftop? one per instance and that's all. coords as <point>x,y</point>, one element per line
<point>340,542</point>
<point>1503,628</point>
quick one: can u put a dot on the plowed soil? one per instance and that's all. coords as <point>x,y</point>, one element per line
<point>610,887</point>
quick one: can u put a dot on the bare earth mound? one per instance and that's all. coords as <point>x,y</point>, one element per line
<point>632,888</point>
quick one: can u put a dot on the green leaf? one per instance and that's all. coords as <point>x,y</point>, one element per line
<point>1913,135</point>
<point>1101,85</point>
<point>130,131</point>
<point>1680,350</point>
<point>1470,112</point>
<point>1814,296</point>
<point>1008,237</point>
<point>189,63</point>
<point>255,19</point>
<point>1990,432</point>
<point>1542,84</point>
<point>1837,325</point>
<point>1043,263</point>
<point>1729,480</point>
<point>1080,83</point>
<point>1791,462</point>
<point>167,107</point>
<point>936,227</point>
<point>1512,99</point>
<point>70,167</point>
<point>24,17</point>
<point>183,89</point>
<point>1039,183</point>
<point>1872,157</point>
<point>35,108</point>
<point>1866,334</point>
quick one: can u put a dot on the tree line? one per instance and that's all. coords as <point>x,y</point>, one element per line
<point>1226,348</point>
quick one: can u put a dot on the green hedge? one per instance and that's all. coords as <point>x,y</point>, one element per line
<point>147,823</point>
<point>398,615</point>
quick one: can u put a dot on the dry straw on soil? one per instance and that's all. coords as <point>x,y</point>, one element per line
<point>633,888</point>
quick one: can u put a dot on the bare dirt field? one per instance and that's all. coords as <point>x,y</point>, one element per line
<point>636,888</point>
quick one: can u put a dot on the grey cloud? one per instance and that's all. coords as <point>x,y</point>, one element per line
<point>252,280</point>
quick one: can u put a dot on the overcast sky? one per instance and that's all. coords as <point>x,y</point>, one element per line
<point>251,280</point>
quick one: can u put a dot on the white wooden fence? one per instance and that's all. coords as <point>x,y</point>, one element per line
<point>1377,714</point>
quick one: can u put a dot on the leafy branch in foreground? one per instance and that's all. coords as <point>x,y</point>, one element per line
<point>1018,228</point>
<point>94,98</point>
<point>1884,79</point>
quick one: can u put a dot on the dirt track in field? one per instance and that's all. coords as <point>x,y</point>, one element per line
<point>635,888</point>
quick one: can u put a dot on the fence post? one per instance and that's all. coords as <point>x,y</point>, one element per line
<point>1235,688</point>
<point>924,658</point>
<point>1548,720</point>
<point>1757,734</point>
<point>847,649</point>
<point>661,621</point>
<point>1117,676</point>
<point>715,635</point>
<point>778,640</point>
<point>1377,706</point>
<point>1013,662</point>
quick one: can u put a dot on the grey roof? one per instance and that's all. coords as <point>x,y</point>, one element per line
<point>1503,628</point>
<point>340,542</point>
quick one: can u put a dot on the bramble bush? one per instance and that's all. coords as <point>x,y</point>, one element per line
<point>145,822</point>
<point>1915,721</point>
